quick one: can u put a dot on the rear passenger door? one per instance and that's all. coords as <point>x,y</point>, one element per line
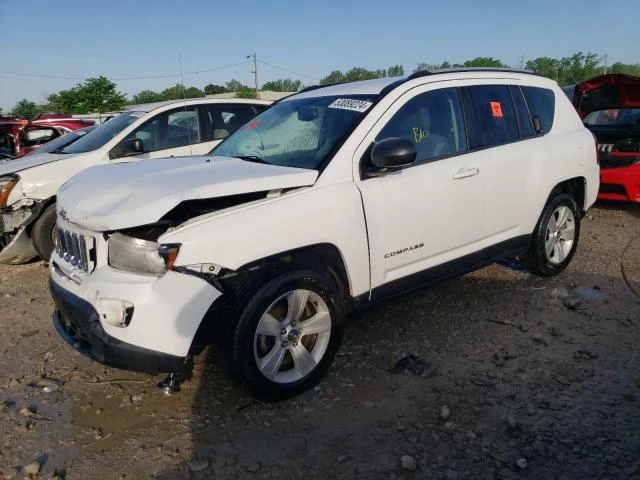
<point>508,152</point>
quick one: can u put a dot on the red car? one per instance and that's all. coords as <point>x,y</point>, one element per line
<point>21,135</point>
<point>609,106</point>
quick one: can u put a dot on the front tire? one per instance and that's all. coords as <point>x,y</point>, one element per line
<point>282,333</point>
<point>555,238</point>
<point>43,233</point>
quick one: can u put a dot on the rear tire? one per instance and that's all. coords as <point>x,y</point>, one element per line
<point>281,333</point>
<point>555,237</point>
<point>43,233</point>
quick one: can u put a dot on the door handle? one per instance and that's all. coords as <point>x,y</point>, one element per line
<point>465,172</point>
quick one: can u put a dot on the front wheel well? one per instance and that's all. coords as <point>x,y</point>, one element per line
<point>41,208</point>
<point>323,258</point>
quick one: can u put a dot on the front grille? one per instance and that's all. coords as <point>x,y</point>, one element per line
<point>78,250</point>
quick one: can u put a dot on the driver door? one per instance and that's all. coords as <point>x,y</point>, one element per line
<point>429,213</point>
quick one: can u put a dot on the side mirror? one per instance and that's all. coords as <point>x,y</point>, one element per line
<point>131,146</point>
<point>393,152</point>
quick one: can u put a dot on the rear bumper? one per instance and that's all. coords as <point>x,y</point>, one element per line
<point>621,183</point>
<point>79,325</point>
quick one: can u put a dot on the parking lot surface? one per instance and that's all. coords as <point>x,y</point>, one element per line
<point>498,374</point>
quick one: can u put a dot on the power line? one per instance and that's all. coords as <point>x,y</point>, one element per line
<point>145,77</point>
<point>287,70</point>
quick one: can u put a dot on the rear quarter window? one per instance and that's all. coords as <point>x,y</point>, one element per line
<point>542,104</point>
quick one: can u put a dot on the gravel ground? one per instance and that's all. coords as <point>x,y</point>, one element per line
<point>503,375</point>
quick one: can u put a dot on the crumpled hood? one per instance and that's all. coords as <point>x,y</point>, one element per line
<point>16,165</point>
<point>112,197</point>
<point>607,92</point>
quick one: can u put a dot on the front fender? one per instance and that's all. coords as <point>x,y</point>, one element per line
<point>330,214</point>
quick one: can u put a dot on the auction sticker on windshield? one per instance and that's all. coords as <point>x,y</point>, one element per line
<point>351,104</point>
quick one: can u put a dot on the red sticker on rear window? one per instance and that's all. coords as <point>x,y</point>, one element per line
<point>496,109</point>
<point>253,124</point>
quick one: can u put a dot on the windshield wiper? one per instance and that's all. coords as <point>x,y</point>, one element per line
<point>251,158</point>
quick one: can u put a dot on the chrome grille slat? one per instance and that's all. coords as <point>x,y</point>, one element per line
<point>76,249</point>
<point>84,262</point>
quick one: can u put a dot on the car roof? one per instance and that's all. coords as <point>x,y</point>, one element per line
<point>380,85</point>
<point>147,107</point>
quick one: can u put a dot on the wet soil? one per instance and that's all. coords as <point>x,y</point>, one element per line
<point>540,378</point>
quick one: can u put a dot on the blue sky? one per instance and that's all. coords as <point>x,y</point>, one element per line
<point>123,39</point>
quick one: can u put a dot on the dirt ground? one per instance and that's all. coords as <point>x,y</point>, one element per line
<point>512,376</point>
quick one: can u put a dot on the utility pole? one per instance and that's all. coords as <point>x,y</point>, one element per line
<point>255,70</point>
<point>605,63</point>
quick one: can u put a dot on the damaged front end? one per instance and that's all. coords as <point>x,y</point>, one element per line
<point>15,243</point>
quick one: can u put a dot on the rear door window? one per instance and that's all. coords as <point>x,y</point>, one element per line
<point>222,120</point>
<point>490,115</point>
<point>171,129</point>
<point>542,104</point>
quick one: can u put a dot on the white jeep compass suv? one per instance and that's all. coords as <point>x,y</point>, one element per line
<point>331,201</point>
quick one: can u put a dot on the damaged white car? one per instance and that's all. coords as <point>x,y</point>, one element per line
<point>28,185</point>
<point>331,201</point>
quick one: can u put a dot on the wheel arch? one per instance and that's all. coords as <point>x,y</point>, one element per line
<point>576,187</point>
<point>41,208</point>
<point>322,258</point>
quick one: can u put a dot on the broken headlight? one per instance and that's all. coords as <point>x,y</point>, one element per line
<point>141,256</point>
<point>6,185</point>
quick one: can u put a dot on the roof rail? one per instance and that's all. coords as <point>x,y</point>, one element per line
<point>306,89</point>
<point>424,73</point>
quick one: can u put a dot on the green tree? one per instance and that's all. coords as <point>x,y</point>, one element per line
<point>236,86</point>
<point>625,68</point>
<point>545,66</point>
<point>283,85</point>
<point>178,91</point>
<point>358,73</point>
<point>98,95</point>
<point>334,77</point>
<point>246,93</point>
<point>146,96</point>
<point>567,70</point>
<point>212,89</point>
<point>484,62</point>
<point>65,101</point>
<point>395,71</point>
<point>24,107</point>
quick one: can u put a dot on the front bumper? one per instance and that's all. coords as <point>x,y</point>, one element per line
<point>621,183</point>
<point>127,320</point>
<point>78,323</point>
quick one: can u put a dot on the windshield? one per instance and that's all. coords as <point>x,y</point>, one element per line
<point>103,133</point>
<point>54,146</point>
<point>620,116</point>
<point>296,133</point>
